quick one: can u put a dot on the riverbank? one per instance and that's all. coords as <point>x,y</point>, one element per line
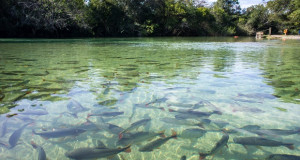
<point>283,36</point>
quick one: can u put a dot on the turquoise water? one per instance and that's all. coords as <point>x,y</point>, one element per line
<point>242,81</point>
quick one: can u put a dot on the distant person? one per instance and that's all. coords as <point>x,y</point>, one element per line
<point>299,32</point>
<point>285,31</point>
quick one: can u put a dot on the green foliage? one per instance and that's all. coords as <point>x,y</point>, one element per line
<point>99,18</point>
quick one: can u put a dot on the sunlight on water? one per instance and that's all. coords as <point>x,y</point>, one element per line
<point>60,96</point>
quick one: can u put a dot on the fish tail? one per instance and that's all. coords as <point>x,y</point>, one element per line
<point>202,156</point>
<point>33,131</point>
<point>89,115</point>
<point>174,134</point>
<point>4,144</point>
<point>33,144</point>
<point>128,149</point>
<point>290,146</point>
<point>120,135</point>
<point>162,134</point>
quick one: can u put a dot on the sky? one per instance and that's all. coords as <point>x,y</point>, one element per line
<point>243,3</point>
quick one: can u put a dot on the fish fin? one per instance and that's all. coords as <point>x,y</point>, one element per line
<point>89,116</point>
<point>33,144</point>
<point>291,147</point>
<point>120,135</point>
<point>128,150</point>
<point>171,110</point>
<point>174,134</point>
<point>100,145</point>
<point>4,144</point>
<point>162,133</point>
<point>202,156</point>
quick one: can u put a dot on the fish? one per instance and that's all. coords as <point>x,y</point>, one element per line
<point>193,113</point>
<point>114,129</point>
<point>135,125</point>
<point>258,141</point>
<point>97,152</point>
<point>144,106</point>
<point>41,151</point>
<point>257,95</point>
<point>248,128</point>
<point>3,128</point>
<point>60,133</point>
<point>38,112</point>
<point>276,132</point>
<point>157,143</point>
<point>180,122</point>
<point>14,138</point>
<point>219,145</point>
<point>138,137</point>
<point>283,157</point>
<point>75,107</point>
<point>106,91</point>
<point>106,114</point>
<point>192,133</point>
<point>159,100</point>
<point>88,125</point>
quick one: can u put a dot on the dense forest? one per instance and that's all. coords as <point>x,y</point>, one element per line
<point>125,18</point>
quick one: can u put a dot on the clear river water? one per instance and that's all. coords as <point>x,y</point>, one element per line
<point>161,98</point>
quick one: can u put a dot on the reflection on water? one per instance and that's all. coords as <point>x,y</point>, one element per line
<point>161,98</point>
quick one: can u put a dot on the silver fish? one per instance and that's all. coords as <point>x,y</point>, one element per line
<point>220,144</point>
<point>106,114</point>
<point>60,133</point>
<point>92,153</point>
<point>283,157</point>
<point>157,143</point>
<point>34,112</point>
<point>14,138</point>
<point>41,151</point>
<point>276,132</point>
<point>138,137</point>
<point>258,141</point>
<point>135,125</point>
<point>192,133</point>
<point>180,122</point>
<point>75,107</point>
<point>3,128</point>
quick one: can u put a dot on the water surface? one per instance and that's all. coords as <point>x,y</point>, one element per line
<point>247,82</point>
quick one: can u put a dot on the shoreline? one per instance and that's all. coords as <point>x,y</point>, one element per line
<point>283,36</point>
